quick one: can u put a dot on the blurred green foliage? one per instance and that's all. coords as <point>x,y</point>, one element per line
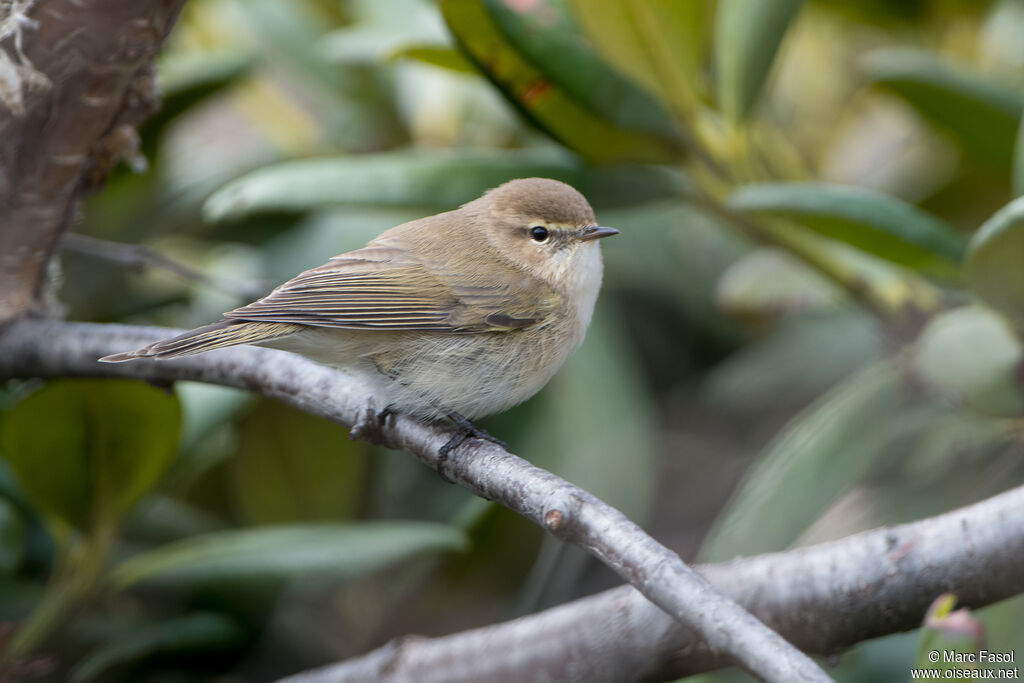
<point>810,325</point>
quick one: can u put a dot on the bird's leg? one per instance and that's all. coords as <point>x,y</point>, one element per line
<point>371,426</point>
<point>464,430</point>
<point>382,416</point>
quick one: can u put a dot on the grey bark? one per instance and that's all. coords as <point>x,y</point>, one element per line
<point>75,79</point>
<point>822,598</point>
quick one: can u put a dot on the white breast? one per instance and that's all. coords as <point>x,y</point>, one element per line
<point>586,282</point>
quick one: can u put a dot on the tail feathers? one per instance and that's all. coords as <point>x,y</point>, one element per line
<point>208,338</point>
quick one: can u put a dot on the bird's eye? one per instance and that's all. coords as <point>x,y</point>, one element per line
<point>539,234</point>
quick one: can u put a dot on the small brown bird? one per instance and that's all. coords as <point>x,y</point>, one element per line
<point>461,314</point>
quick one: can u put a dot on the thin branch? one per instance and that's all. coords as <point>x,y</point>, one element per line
<point>47,348</point>
<point>137,257</point>
<point>822,598</point>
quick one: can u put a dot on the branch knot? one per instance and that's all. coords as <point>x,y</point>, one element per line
<point>553,519</point>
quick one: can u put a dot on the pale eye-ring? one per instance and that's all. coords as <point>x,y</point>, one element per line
<point>539,234</point>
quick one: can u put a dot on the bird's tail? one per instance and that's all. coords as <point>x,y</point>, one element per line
<point>207,338</point>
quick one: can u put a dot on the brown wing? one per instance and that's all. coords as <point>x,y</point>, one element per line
<point>383,288</point>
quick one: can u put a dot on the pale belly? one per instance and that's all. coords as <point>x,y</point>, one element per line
<point>431,375</point>
<point>473,374</point>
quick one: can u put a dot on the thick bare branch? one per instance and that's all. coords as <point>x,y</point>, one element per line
<point>44,348</point>
<point>822,598</point>
<point>75,79</point>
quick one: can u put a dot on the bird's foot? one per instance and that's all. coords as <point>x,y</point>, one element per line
<point>371,425</point>
<point>464,430</point>
<point>382,416</point>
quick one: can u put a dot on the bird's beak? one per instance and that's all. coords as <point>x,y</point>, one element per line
<point>596,233</point>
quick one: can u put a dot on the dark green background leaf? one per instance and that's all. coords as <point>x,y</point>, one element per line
<point>660,44</point>
<point>336,551</point>
<point>748,34</point>
<point>545,35</point>
<point>809,465</point>
<point>983,114</point>
<point>437,181</point>
<point>115,440</point>
<point>1018,162</point>
<point>293,467</point>
<point>542,98</point>
<point>877,223</point>
<point>12,537</point>
<point>180,637</point>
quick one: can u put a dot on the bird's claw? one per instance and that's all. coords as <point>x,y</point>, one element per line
<point>464,430</point>
<point>371,425</point>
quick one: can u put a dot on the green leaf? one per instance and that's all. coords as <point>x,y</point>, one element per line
<point>660,44</point>
<point>161,518</point>
<point>994,262</point>
<point>887,286</point>
<point>1018,162</point>
<point>209,415</point>
<point>205,407</point>
<point>186,79</point>
<point>748,34</point>
<point>12,538</point>
<point>877,223</point>
<point>546,36</point>
<point>814,460</point>
<point>85,451</point>
<point>180,637</point>
<point>981,113</point>
<point>559,84</point>
<point>335,551</point>
<point>972,353</point>
<point>435,55</point>
<point>293,467</point>
<point>370,32</point>
<point>37,545</point>
<point>437,181</point>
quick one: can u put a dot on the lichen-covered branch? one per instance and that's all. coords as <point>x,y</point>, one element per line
<point>48,348</point>
<point>75,80</point>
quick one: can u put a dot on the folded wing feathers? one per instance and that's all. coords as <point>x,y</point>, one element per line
<point>361,294</point>
<point>209,337</point>
<point>380,289</point>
